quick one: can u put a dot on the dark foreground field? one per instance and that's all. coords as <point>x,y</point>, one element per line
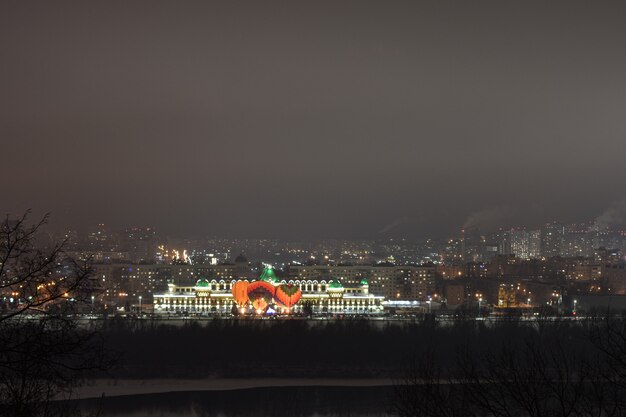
<point>470,368</point>
<point>341,349</point>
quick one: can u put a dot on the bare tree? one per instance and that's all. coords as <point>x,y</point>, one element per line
<point>427,389</point>
<point>44,352</point>
<point>537,378</point>
<point>608,336</point>
<point>555,371</point>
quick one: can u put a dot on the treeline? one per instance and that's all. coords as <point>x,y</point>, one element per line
<point>297,348</point>
<point>552,372</point>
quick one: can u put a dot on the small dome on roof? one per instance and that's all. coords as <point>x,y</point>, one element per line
<point>203,282</point>
<point>335,284</point>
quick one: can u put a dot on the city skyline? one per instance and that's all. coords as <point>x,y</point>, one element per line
<point>485,221</point>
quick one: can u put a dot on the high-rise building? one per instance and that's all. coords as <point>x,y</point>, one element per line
<point>504,242</point>
<point>576,241</point>
<point>551,239</point>
<point>526,244</point>
<point>534,244</point>
<point>519,243</point>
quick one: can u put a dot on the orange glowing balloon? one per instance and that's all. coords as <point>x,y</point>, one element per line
<point>287,295</point>
<point>240,293</point>
<point>259,304</point>
<point>260,294</point>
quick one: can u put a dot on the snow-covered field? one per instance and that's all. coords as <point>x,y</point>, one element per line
<point>112,388</point>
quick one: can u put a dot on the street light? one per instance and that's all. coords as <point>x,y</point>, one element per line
<point>92,300</point>
<point>140,306</point>
<point>480,300</point>
<point>429,304</point>
<point>575,302</point>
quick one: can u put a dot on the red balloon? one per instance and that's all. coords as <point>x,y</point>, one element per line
<point>260,294</point>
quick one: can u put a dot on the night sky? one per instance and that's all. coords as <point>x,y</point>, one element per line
<point>312,119</point>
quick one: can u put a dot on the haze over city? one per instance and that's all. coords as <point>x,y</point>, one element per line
<point>318,119</point>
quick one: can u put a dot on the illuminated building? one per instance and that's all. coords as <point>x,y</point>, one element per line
<point>506,296</point>
<point>216,296</point>
<point>404,282</point>
<point>551,239</point>
<point>526,244</point>
<point>576,241</point>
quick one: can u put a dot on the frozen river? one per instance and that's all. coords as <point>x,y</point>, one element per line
<point>250,397</point>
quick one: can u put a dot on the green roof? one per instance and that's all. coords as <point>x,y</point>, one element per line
<point>335,284</point>
<point>364,282</point>
<point>202,283</point>
<point>269,275</point>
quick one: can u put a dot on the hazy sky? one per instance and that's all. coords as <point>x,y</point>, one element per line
<point>309,119</point>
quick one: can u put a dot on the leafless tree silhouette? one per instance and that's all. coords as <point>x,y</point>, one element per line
<point>428,389</point>
<point>548,374</point>
<point>44,352</point>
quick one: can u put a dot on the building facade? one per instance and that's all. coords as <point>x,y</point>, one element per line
<point>393,282</point>
<point>215,297</point>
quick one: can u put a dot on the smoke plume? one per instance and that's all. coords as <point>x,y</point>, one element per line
<point>489,219</point>
<point>614,215</point>
<point>397,222</point>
